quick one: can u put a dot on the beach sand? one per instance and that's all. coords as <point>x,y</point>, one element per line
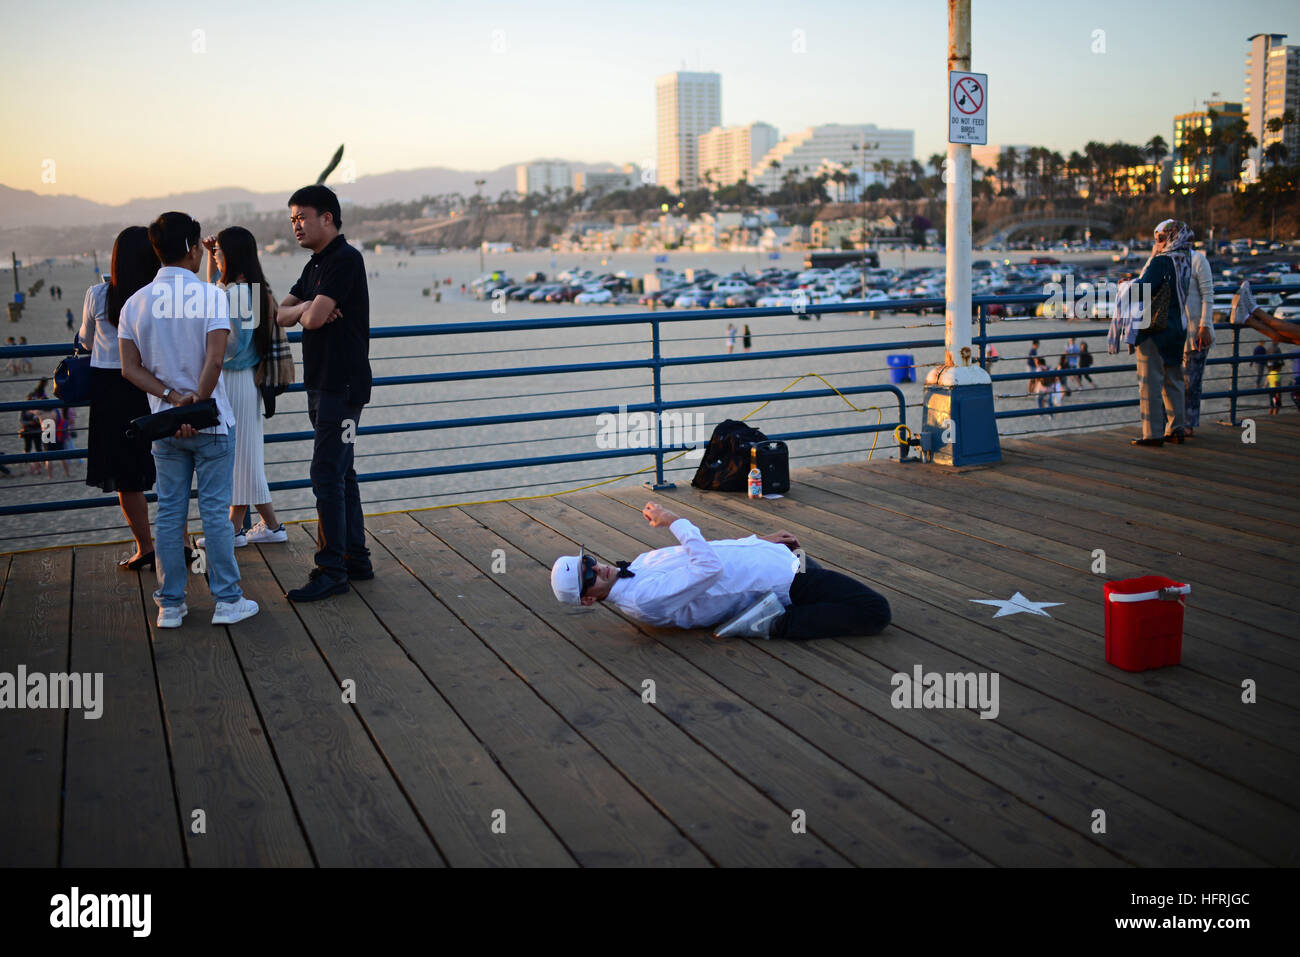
<point>396,300</point>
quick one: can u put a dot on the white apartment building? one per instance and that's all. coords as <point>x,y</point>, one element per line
<point>854,146</point>
<point>608,181</point>
<point>728,153</point>
<point>686,105</point>
<point>1272,87</point>
<point>538,176</point>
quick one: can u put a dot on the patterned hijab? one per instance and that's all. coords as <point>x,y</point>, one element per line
<point>1174,239</point>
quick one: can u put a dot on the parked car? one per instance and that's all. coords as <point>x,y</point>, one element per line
<point>594,296</point>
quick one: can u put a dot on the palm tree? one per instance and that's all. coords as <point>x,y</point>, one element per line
<point>1156,149</point>
<point>1006,169</point>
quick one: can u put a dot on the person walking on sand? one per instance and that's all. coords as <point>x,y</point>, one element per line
<point>731,337</point>
<point>748,339</point>
<point>332,303</point>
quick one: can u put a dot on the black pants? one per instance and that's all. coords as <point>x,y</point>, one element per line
<point>340,528</point>
<point>827,604</point>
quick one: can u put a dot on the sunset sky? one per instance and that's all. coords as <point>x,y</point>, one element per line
<point>128,100</point>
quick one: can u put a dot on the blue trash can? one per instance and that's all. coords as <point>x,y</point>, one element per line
<point>901,369</point>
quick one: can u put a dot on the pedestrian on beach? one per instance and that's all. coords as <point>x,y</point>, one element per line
<point>748,338</point>
<point>331,301</point>
<point>68,315</point>
<point>12,365</point>
<point>1085,363</point>
<point>991,358</point>
<point>1274,379</point>
<point>233,265</point>
<point>1198,318</point>
<point>174,351</point>
<point>115,463</point>
<point>731,335</point>
<point>1031,360</point>
<point>1160,343</point>
<point>1062,380</point>
<point>1261,363</point>
<point>29,427</point>
<point>24,364</point>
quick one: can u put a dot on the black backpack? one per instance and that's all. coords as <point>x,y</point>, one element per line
<point>726,463</point>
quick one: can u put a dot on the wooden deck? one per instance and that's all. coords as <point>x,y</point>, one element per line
<point>480,700</point>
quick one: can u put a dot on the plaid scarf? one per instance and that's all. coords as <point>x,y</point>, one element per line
<point>275,371</point>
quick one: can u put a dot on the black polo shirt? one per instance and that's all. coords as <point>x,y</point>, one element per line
<point>336,357</point>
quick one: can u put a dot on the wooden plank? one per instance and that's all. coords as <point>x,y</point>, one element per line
<point>1042,560</point>
<point>1004,572</point>
<point>598,815</point>
<point>350,808</point>
<point>989,819</point>
<point>222,760</point>
<point>446,773</point>
<point>119,806</point>
<point>1041,492</point>
<point>1259,764</point>
<point>1068,524</point>
<point>851,813</point>
<point>1049,701</point>
<point>1239,491</point>
<point>730,819</point>
<point>36,610</point>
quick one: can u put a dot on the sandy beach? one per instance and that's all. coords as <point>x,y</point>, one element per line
<point>396,285</point>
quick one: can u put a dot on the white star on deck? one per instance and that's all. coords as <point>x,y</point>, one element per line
<point>1018,603</point>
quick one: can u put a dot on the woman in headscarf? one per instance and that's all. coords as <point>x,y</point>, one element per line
<point>1162,334</point>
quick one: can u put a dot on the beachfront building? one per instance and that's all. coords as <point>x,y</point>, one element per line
<point>1144,178</point>
<point>686,105</point>
<point>855,146</point>
<point>1272,87</point>
<point>1199,166</point>
<point>835,233</point>
<point>727,153</point>
<point>607,181</point>
<point>542,175</point>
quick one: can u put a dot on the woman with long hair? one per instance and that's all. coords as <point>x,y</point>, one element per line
<point>233,265</point>
<point>114,462</point>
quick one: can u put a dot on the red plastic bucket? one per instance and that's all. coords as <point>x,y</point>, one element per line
<point>1143,629</point>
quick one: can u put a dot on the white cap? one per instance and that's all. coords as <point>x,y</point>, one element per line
<point>566,578</point>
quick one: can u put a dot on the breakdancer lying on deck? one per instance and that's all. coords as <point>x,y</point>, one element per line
<point>755,582</point>
<point>1246,312</point>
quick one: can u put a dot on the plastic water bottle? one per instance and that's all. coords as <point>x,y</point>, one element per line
<point>755,476</point>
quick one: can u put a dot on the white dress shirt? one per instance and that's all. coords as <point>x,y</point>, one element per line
<point>169,321</point>
<point>97,333</point>
<point>698,584</point>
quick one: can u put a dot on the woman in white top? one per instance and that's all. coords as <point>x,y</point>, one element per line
<point>114,462</point>
<point>233,265</point>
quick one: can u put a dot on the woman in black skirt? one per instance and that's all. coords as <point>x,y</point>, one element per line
<point>116,463</point>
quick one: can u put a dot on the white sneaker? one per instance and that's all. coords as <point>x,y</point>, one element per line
<point>1243,304</point>
<point>756,621</point>
<point>240,541</point>
<point>171,617</point>
<point>229,612</point>
<point>260,534</point>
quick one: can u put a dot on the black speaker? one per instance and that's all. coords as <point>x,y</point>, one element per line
<point>773,465</point>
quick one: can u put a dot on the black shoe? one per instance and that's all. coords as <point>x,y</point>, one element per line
<point>1177,436</point>
<point>1155,442</point>
<point>135,564</point>
<point>356,573</point>
<point>318,586</point>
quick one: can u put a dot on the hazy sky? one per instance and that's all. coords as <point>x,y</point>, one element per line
<point>128,101</point>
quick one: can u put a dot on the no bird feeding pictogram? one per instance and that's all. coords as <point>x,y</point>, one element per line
<point>968,108</point>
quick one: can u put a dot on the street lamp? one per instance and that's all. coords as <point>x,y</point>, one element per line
<point>478,188</point>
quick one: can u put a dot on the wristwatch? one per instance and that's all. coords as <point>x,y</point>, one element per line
<point>166,392</point>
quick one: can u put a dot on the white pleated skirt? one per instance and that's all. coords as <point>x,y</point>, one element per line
<point>248,486</point>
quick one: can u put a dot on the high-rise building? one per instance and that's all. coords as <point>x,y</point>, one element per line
<point>727,153</point>
<point>854,146</point>
<point>1272,88</point>
<point>1190,172</point>
<point>538,176</point>
<point>686,105</point>
<point>607,181</point>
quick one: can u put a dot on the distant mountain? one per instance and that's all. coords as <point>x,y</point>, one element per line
<point>20,207</point>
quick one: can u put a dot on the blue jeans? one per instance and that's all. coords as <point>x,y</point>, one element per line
<point>213,458</point>
<point>340,526</point>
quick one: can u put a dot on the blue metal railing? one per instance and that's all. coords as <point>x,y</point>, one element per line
<point>656,362</point>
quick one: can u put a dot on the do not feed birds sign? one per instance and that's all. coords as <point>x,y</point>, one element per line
<point>968,106</point>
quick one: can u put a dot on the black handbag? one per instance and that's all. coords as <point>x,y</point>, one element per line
<point>162,425</point>
<point>72,377</point>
